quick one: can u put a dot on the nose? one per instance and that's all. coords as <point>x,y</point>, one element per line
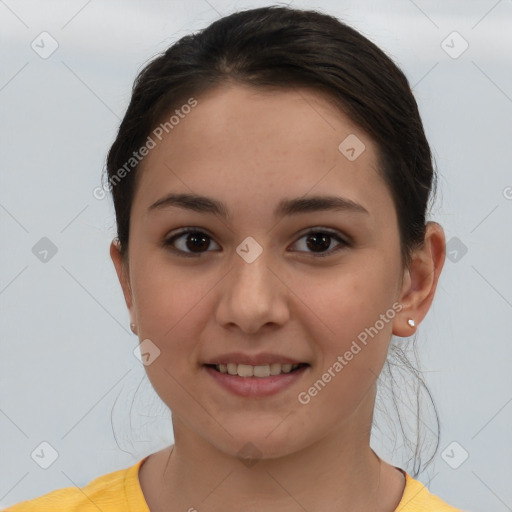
<point>253,295</point>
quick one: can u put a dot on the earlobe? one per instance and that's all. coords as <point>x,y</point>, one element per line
<point>122,274</point>
<point>404,323</point>
<point>420,281</point>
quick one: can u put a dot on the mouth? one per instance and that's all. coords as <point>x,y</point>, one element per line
<point>259,381</point>
<point>259,371</point>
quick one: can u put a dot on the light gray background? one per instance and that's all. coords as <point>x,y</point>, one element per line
<point>67,360</point>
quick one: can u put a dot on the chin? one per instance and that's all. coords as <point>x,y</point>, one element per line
<point>258,445</point>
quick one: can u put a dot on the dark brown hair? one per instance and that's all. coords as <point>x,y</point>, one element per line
<point>280,47</point>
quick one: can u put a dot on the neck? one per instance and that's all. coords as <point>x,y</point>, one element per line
<point>332,474</point>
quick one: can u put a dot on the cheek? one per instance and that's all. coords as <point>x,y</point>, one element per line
<point>349,298</point>
<point>350,362</point>
<point>170,313</point>
<point>356,306</point>
<point>168,299</point>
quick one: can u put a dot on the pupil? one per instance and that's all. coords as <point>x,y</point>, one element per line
<point>319,236</point>
<point>197,238</point>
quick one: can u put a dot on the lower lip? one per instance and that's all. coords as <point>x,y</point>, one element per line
<point>256,386</point>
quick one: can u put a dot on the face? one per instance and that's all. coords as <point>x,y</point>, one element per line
<point>308,284</point>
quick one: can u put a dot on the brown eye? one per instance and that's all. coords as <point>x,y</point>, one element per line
<point>319,241</point>
<point>194,242</point>
<point>189,242</point>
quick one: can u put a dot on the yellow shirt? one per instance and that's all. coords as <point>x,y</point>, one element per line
<point>120,491</point>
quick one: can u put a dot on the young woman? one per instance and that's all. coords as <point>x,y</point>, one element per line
<point>271,179</point>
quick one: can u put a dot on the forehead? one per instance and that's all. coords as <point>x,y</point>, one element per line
<point>242,143</point>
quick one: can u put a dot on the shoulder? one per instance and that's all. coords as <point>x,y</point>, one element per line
<point>417,498</point>
<point>108,493</point>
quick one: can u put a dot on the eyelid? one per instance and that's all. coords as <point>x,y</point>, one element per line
<point>330,231</point>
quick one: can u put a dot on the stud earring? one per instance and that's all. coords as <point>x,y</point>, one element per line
<point>132,327</point>
<point>411,322</point>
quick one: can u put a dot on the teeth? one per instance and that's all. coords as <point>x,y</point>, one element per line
<point>247,370</point>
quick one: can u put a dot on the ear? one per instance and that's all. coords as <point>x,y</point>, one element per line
<point>124,278</point>
<point>420,280</point>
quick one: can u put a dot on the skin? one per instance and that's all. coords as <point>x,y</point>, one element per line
<point>250,148</point>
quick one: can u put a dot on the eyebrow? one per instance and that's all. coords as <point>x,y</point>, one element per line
<point>286,207</point>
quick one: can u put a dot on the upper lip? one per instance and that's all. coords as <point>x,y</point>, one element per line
<point>253,360</point>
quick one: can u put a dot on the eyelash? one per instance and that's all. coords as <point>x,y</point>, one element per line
<point>167,243</point>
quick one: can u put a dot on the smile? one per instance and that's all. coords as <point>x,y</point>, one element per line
<point>261,371</point>
<point>256,381</point>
